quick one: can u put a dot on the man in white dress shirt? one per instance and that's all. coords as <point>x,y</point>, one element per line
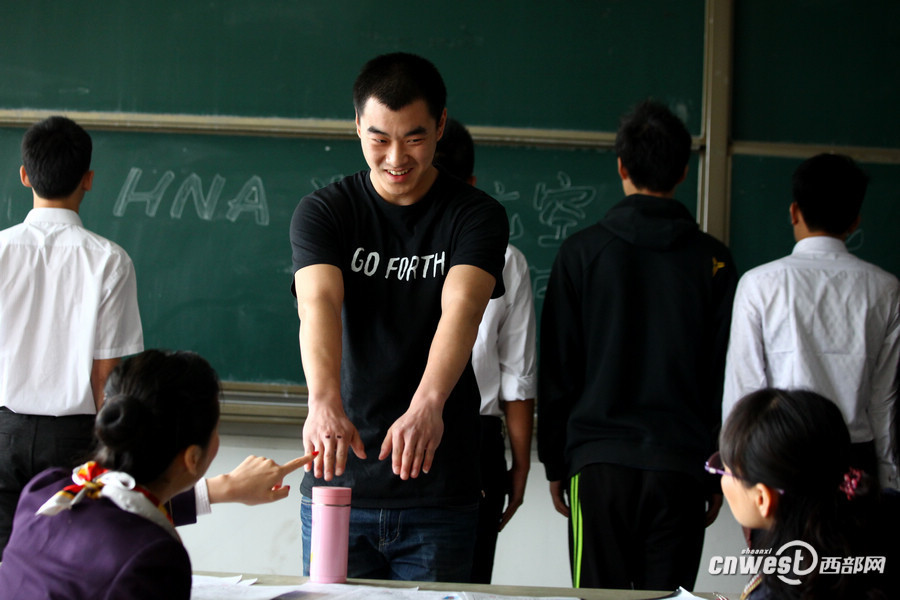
<point>821,318</point>
<point>68,313</point>
<point>505,363</point>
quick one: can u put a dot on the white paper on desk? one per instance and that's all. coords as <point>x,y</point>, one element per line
<point>319,591</point>
<point>347,591</point>
<point>682,594</point>
<point>204,587</point>
<point>484,596</point>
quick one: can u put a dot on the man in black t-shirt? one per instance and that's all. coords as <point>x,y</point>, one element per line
<point>393,269</point>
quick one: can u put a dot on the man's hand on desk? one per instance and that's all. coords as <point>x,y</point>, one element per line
<point>328,432</point>
<point>413,439</point>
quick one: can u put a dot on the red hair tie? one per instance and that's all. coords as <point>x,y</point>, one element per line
<point>851,482</point>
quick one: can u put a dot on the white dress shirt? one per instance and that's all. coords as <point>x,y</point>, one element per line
<point>67,296</point>
<point>821,319</point>
<point>504,356</point>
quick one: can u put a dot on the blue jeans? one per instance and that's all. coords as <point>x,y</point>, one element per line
<point>408,544</point>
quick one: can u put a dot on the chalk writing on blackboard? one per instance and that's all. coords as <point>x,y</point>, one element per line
<point>561,208</point>
<point>539,279</point>
<point>9,205</point>
<point>516,228</point>
<point>318,184</point>
<point>501,195</point>
<point>855,240</point>
<point>251,198</point>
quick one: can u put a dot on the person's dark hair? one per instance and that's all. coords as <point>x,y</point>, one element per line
<point>455,151</point>
<point>56,153</point>
<point>157,404</point>
<point>797,441</point>
<point>829,191</point>
<point>654,146</point>
<point>399,79</point>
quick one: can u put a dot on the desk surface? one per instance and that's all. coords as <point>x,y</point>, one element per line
<point>504,590</point>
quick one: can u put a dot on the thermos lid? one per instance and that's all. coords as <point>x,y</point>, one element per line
<point>325,494</point>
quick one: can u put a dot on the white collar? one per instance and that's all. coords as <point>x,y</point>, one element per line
<point>820,244</point>
<point>53,215</point>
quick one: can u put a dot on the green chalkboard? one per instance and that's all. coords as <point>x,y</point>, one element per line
<point>761,228</point>
<point>211,249</point>
<point>560,65</point>
<point>206,219</point>
<point>821,72</point>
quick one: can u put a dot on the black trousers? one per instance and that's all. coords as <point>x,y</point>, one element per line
<point>635,529</point>
<point>495,486</point>
<point>31,443</point>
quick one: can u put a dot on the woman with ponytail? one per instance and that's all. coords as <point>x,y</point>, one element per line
<point>784,459</point>
<point>105,529</point>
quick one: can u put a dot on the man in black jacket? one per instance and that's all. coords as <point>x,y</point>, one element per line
<point>633,339</point>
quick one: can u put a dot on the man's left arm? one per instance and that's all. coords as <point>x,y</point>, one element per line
<point>518,375</point>
<point>883,402</point>
<point>118,325</point>
<point>413,438</point>
<point>520,427</point>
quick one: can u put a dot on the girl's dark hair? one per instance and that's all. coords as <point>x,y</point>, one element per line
<point>797,441</point>
<point>157,404</point>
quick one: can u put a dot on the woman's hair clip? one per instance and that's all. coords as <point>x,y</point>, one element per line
<point>851,482</point>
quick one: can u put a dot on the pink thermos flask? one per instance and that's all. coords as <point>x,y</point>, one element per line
<point>330,534</point>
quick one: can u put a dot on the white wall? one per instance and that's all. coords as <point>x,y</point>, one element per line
<point>532,549</point>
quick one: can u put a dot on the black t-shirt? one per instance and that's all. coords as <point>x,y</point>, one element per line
<point>394,261</point>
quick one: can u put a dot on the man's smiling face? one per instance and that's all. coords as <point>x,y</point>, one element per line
<point>399,148</point>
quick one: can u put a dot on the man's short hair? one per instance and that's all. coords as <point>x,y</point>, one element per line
<point>455,151</point>
<point>829,191</point>
<point>399,79</point>
<point>654,146</point>
<point>56,153</point>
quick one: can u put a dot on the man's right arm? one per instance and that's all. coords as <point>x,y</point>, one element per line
<point>100,371</point>
<point>327,430</point>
